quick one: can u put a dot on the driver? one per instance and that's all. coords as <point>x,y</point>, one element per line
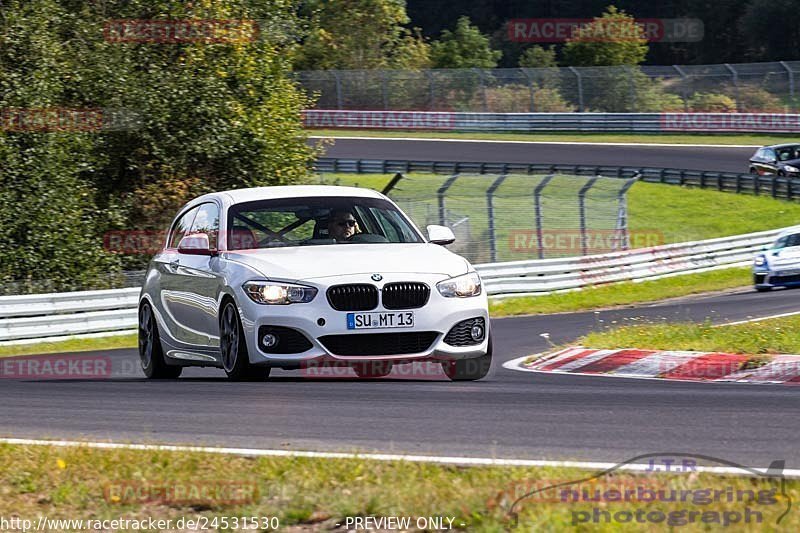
<point>342,225</point>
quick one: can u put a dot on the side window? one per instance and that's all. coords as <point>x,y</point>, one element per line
<point>207,221</point>
<point>389,231</point>
<point>181,227</point>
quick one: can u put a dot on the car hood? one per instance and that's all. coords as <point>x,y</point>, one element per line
<point>792,162</point>
<point>785,257</point>
<point>299,263</point>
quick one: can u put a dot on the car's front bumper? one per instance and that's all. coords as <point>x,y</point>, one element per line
<point>767,279</point>
<point>317,319</point>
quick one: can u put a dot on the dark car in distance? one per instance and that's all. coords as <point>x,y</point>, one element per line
<point>779,159</point>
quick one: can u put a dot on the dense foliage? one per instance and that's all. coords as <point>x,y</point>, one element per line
<point>177,119</point>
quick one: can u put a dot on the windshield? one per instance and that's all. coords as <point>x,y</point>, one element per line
<point>317,221</point>
<point>787,241</point>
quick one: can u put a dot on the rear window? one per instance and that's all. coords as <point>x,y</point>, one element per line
<point>787,241</point>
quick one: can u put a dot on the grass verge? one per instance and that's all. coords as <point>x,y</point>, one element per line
<point>620,294</point>
<point>70,345</point>
<point>642,138</point>
<point>317,494</point>
<point>773,336</point>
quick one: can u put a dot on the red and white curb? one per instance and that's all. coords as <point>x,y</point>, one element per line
<point>660,364</point>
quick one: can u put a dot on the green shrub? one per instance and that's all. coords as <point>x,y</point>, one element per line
<point>711,103</point>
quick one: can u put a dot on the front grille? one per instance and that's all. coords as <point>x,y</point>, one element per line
<point>758,279</point>
<point>405,295</point>
<point>461,333</point>
<point>379,343</point>
<point>289,340</point>
<point>357,297</point>
<point>785,279</point>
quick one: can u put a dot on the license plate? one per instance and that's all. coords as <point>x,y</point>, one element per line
<point>380,320</point>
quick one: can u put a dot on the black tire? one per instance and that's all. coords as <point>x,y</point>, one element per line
<point>469,369</point>
<point>151,354</point>
<point>781,174</point>
<point>763,289</point>
<point>233,348</point>
<point>373,369</point>
<point>753,170</point>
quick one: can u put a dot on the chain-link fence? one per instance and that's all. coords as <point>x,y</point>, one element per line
<point>742,87</point>
<point>510,217</point>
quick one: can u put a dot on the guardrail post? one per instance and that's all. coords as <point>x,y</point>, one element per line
<point>537,203</point>
<point>391,185</point>
<point>791,85</point>
<point>490,212</point>
<point>440,195</point>
<point>582,211</point>
<point>580,88</point>
<point>735,78</point>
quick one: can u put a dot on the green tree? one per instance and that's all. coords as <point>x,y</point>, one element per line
<point>359,34</point>
<point>209,115</point>
<point>465,47</point>
<point>772,29</point>
<point>611,39</point>
<point>538,57</point>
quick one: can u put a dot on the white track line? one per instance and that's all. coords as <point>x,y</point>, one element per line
<point>499,141</point>
<point>459,461</point>
<point>759,319</point>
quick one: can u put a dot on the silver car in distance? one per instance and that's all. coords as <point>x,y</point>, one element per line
<point>303,276</point>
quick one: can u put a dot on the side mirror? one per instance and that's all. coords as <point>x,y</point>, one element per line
<point>195,244</point>
<point>441,235</point>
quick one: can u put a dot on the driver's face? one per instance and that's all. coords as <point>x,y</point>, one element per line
<point>342,227</point>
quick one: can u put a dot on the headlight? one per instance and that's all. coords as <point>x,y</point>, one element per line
<point>461,286</point>
<point>790,168</point>
<point>262,292</point>
<point>760,260</point>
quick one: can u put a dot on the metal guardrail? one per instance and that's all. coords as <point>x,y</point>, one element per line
<point>46,316</point>
<point>549,122</point>
<point>39,316</point>
<point>768,185</point>
<point>519,278</point>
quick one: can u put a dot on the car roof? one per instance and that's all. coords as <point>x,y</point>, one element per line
<point>236,196</point>
<point>784,145</point>
<point>789,231</point>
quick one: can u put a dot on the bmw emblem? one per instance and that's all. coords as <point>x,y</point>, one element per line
<point>377,277</point>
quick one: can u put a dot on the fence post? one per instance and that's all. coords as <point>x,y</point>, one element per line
<point>339,99</point>
<point>440,195</point>
<point>632,83</point>
<point>531,89</point>
<point>622,212</point>
<point>537,202</point>
<point>791,85</point>
<point>490,212</point>
<point>385,89</point>
<point>391,185</point>
<point>735,76</point>
<point>580,88</point>
<point>431,94</point>
<point>685,90</point>
<point>483,89</point>
<point>582,211</point>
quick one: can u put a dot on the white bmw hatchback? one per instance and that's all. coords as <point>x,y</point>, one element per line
<point>300,276</point>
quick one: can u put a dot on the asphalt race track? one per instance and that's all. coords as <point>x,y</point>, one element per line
<point>509,415</point>
<point>723,159</point>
